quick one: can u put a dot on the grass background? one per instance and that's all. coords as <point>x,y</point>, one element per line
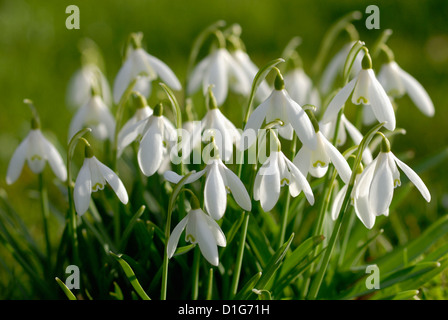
<point>38,55</point>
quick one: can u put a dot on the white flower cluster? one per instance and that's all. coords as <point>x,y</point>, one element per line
<point>280,114</point>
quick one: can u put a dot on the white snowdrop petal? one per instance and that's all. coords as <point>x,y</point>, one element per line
<point>338,101</point>
<point>215,195</point>
<point>115,182</point>
<point>216,231</point>
<point>83,189</point>
<point>417,93</point>
<point>415,179</point>
<point>300,180</point>
<point>55,160</point>
<point>164,72</point>
<point>205,239</point>
<point>17,161</point>
<point>175,236</point>
<point>302,160</point>
<point>238,190</point>
<point>337,202</point>
<point>122,80</point>
<point>150,153</point>
<point>269,188</point>
<point>338,161</point>
<point>382,187</point>
<point>380,103</point>
<point>364,211</point>
<point>300,122</point>
<point>217,76</point>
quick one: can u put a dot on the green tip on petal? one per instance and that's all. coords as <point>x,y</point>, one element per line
<point>194,203</point>
<point>35,123</point>
<point>366,61</point>
<point>279,83</point>
<point>158,110</point>
<point>88,151</point>
<point>138,100</point>
<point>136,40</point>
<point>313,119</point>
<point>211,100</point>
<point>385,144</point>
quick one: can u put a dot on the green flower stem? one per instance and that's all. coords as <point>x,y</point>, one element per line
<point>195,277</point>
<point>317,281</point>
<point>288,200</point>
<point>45,214</point>
<point>210,285</point>
<point>72,222</point>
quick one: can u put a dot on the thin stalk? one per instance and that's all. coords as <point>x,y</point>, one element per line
<point>45,214</point>
<point>210,285</point>
<point>288,200</point>
<point>195,278</point>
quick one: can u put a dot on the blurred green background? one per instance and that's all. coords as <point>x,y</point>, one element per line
<point>38,55</point>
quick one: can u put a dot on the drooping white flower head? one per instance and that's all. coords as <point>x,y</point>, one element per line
<point>300,87</point>
<point>219,181</point>
<point>251,70</point>
<point>80,86</point>
<point>366,90</point>
<point>215,124</point>
<point>139,62</point>
<point>219,70</point>
<point>280,106</point>
<point>276,172</point>
<point>133,128</point>
<point>336,65</point>
<point>345,127</point>
<point>374,189</point>
<point>398,82</point>
<point>159,135</point>
<point>92,177</point>
<point>200,229</point>
<point>36,150</point>
<point>316,161</point>
<point>96,115</point>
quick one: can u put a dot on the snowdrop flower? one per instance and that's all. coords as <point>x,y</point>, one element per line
<point>80,86</point>
<point>216,124</point>
<point>92,177</point>
<point>397,82</point>
<point>300,87</point>
<point>316,161</point>
<point>375,187</point>
<point>159,135</point>
<point>139,62</point>
<point>219,181</point>
<point>96,115</point>
<point>133,128</point>
<point>200,229</point>
<point>251,70</point>
<point>218,69</point>
<point>367,91</point>
<point>280,106</point>
<point>340,196</point>
<point>345,127</point>
<point>336,65</point>
<point>36,150</point>
<point>276,172</point>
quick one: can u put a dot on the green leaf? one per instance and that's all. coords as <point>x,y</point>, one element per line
<point>129,228</point>
<point>351,58</point>
<point>415,248</point>
<point>245,291</point>
<point>131,276</point>
<point>305,248</point>
<point>184,249</point>
<point>262,294</point>
<point>273,265</point>
<point>117,293</point>
<point>66,290</point>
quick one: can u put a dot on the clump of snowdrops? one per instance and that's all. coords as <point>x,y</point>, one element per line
<point>239,182</point>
